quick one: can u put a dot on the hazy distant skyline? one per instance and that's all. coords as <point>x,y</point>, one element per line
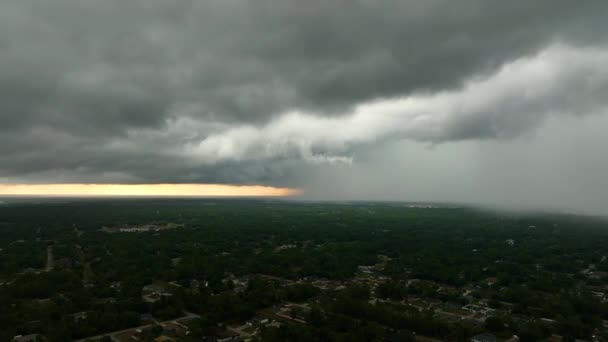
<point>495,102</point>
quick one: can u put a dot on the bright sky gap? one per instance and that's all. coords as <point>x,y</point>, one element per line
<point>144,190</point>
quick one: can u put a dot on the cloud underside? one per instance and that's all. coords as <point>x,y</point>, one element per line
<point>243,92</point>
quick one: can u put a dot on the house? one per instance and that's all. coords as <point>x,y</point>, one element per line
<point>154,292</point>
<point>79,316</point>
<point>117,286</point>
<point>146,318</point>
<point>491,281</point>
<point>366,269</point>
<point>483,338</point>
<point>284,247</point>
<point>174,329</point>
<point>227,336</point>
<point>137,334</point>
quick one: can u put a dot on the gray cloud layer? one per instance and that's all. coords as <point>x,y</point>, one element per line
<point>257,91</point>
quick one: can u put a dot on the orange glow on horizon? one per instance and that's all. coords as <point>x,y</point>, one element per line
<point>144,190</point>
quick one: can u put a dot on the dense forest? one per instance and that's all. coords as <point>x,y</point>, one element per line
<point>228,269</point>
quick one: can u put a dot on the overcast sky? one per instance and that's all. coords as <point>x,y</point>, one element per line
<point>495,102</point>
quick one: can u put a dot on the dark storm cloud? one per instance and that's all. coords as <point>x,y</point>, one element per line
<point>183,91</point>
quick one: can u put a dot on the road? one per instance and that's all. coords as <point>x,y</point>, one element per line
<point>50,261</point>
<point>113,334</point>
